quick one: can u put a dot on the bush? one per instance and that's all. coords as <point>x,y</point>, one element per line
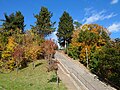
<point>74,51</point>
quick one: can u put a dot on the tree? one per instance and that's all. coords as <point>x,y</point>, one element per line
<point>7,58</point>
<point>3,40</point>
<point>43,26</point>
<point>32,46</point>
<point>74,46</point>
<point>92,37</point>
<point>77,25</point>
<point>18,56</point>
<point>106,62</point>
<point>65,29</point>
<point>86,40</point>
<point>14,23</point>
<point>49,48</point>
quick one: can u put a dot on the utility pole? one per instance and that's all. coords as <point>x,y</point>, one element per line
<point>65,44</point>
<point>87,57</point>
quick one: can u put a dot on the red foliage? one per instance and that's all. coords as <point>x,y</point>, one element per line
<point>18,55</point>
<point>18,52</point>
<point>49,47</point>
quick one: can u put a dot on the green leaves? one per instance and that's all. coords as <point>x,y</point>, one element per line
<point>65,29</point>
<point>14,23</point>
<point>43,26</point>
<point>77,25</point>
<point>74,51</point>
<point>108,65</point>
<point>103,54</point>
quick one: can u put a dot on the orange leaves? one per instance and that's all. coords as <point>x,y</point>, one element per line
<point>88,36</point>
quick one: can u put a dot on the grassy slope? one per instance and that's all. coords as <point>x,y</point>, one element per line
<point>28,79</point>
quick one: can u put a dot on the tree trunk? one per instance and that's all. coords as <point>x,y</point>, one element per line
<point>17,64</point>
<point>33,64</point>
<point>87,57</point>
<point>17,69</point>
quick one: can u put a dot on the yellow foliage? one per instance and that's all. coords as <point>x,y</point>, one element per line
<point>75,35</point>
<point>11,63</point>
<point>6,54</point>
<point>32,51</point>
<point>11,44</point>
<point>92,38</point>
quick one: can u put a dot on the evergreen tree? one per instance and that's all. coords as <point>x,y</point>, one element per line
<point>65,29</point>
<point>19,21</point>
<point>43,26</point>
<point>14,23</point>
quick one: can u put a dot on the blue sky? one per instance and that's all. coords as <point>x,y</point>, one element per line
<point>102,12</point>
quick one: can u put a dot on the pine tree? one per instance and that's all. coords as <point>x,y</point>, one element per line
<point>65,29</point>
<point>14,23</point>
<point>19,21</point>
<point>43,26</point>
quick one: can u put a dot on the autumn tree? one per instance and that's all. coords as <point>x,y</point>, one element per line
<point>43,25</point>
<point>18,56</point>
<point>86,40</point>
<point>92,37</point>
<point>49,49</point>
<point>65,29</point>
<point>92,42</point>
<point>6,56</point>
<point>12,26</point>
<point>32,47</point>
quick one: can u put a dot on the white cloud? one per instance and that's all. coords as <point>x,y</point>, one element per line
<point>114,1</point>
<point>54,32</point>
<point>96,16</point>
<point>115,27</point>
<point>109,16</point>
<point>75,20</point>
<point>88,11</point>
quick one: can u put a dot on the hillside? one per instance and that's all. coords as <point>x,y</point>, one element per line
<point>28,79</point>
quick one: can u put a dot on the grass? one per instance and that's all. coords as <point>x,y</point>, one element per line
<point>29,79</point>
